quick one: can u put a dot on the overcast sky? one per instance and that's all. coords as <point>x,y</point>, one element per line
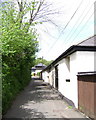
<point>54,40</point>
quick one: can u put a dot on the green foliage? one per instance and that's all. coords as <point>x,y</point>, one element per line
<point>18,54</point>
<point>38,74</point>
<point>40,60</point>
<point>70,107</point>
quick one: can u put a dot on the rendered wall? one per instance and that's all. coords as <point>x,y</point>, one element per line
<point>52,77</point>
<point>85,61</point>
<point>45,76</point>
<point>68,69</point>
<point>68,88</point>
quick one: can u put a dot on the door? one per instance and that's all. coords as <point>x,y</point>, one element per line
<point>56,77</point>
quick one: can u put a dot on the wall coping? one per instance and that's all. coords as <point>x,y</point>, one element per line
<point>86,73</point>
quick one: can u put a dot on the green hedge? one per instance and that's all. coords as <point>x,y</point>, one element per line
<point>13,83</point>
<point>18,53</point>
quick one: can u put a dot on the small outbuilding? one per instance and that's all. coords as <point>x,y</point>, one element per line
<point>73,74</point>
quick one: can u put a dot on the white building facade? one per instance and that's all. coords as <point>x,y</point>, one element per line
<point>62,73</point>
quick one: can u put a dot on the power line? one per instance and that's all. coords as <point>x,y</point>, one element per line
<point>83,27</point>
<point>66,26</point>
<point>79,24</point>
<point>84,24</point>
<point>75,24</point>
<point>71,18</point>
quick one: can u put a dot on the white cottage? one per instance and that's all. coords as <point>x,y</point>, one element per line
<point>38,68</point>
<point>62,73</point>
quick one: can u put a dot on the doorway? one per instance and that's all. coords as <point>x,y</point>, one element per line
<point>56,77</point>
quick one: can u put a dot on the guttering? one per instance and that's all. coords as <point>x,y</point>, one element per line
<point>69,51</point>
<point>73,49</point>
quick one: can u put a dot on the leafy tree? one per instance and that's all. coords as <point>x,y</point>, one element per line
<point>38,11</point>
<point>18,53</point>
<point>19,43</point>
<point>41,60</point>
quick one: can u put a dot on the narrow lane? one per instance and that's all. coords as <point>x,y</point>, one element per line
<point>39,100</point>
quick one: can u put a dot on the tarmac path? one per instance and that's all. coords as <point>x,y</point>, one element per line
<point>40,100</point>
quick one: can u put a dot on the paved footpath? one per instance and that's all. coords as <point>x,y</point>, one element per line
<point>39,100</point>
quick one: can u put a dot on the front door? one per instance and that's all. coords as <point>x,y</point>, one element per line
<point>56,77</point>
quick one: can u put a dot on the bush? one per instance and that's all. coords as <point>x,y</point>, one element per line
<point>12,85</point>
<point>18,55</point>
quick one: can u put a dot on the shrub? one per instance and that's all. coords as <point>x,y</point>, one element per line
<point>18,54</point>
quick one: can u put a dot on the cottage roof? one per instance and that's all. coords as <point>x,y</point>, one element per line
<point>86,45</point>
<point>88,42</point>
<point>33,68</point>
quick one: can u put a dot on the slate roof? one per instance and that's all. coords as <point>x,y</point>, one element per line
<point>86,45</point>
<point>40,65</point>
<point>33,68</point>
<point>88,42</point>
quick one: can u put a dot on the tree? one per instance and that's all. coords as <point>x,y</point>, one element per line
<point>18,53</point>
<point>41,60</point>
<point>37,11</point>
<point>19,43</point>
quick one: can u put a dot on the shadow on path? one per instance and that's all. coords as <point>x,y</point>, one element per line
<point>36,92</point>
<point>39,100</point>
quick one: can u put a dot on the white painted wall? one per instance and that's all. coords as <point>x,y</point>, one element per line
<point>45,76</point>
<point>38,71</point>
<point>85,61</point>
<point>80,61</point>
<point>73,79</point>
<point>52,77</point>
<point>68,89</point>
